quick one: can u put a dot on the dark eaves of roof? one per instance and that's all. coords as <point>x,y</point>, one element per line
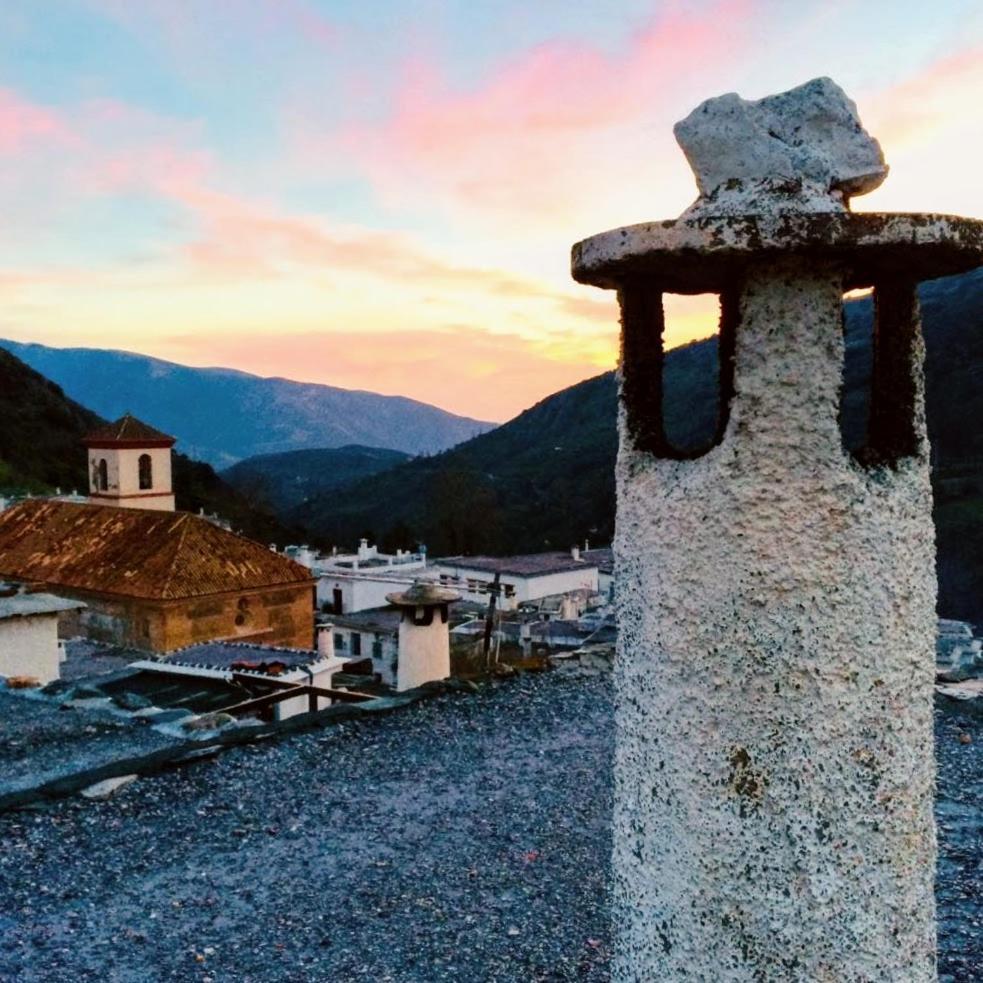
<point>128,431</point>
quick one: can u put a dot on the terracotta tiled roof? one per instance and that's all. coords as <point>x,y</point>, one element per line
<point>134,552</point>
<point>127,429</point>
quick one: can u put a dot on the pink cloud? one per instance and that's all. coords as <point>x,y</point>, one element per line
<point>239,239</point>
<point>931,130</point>
<point>23,124</point>
<point>57,158</point>
<point>119,149</point>
<point>532,138</point>
<point>131,149</point>
<point>944,91</point>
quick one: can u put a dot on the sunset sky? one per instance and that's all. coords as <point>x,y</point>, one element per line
<point>382,195</point>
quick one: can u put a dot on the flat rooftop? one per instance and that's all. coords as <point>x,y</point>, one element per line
<point>371,619</point>
<point>525,565</point>
<point>466,837</point>
<point>14,605</point>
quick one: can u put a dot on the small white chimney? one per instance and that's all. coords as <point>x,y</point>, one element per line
<point>325,641</point>
<point>575,552</point>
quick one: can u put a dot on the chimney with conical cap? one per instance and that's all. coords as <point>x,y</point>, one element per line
<point>424,634</point>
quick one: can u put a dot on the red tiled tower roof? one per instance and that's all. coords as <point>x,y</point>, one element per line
<point>127,431</point>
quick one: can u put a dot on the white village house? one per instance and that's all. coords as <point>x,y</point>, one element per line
<point>522,578</point>
<point>340,593</point>
<point>359,581</point>
<point>371,634</point>
<point>29,633</point>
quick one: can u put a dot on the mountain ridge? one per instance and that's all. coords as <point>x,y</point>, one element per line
<point>264,414</point>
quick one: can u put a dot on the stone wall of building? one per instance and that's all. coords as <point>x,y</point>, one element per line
<point>276,616</point>
<point>114,620</point>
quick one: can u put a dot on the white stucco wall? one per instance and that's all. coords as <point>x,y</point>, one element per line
<point>384,656</point>
<point>320,675</point>
<point>424,653</point>
<point>358,593</point>
<point>774,757</point>
<point>29,647</point>
<point>605,584</point>
<point>530,588</point>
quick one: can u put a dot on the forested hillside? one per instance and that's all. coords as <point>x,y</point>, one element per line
<point>545,479</point>
<point>285,480</point>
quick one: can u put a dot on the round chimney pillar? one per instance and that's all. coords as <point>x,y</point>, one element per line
<point>424,634</point>
<point>774,762</point>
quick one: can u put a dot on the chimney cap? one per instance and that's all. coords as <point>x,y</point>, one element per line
<point>423,594</point>
<point>868,245</point>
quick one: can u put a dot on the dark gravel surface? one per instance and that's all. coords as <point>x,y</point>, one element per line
<point>959,813</point>
<point>39,741</point>
<point>465,838</point>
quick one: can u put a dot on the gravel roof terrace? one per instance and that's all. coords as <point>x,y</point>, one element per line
<point>464,838</point>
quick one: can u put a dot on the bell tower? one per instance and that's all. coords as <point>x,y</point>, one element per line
<point>130,466</point>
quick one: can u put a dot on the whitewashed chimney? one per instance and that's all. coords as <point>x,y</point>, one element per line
<point>774,764</point>
<point>424,634</point>
<point>325,641</point>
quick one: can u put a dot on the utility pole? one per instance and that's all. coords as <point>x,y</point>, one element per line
<point>493,591</point>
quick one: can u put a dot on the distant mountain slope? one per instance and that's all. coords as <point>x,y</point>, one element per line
<point>223,416</point>
<point>546,478</point>
<point>543,479</point>
<point>284,481</point>
<point>40,450</point>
